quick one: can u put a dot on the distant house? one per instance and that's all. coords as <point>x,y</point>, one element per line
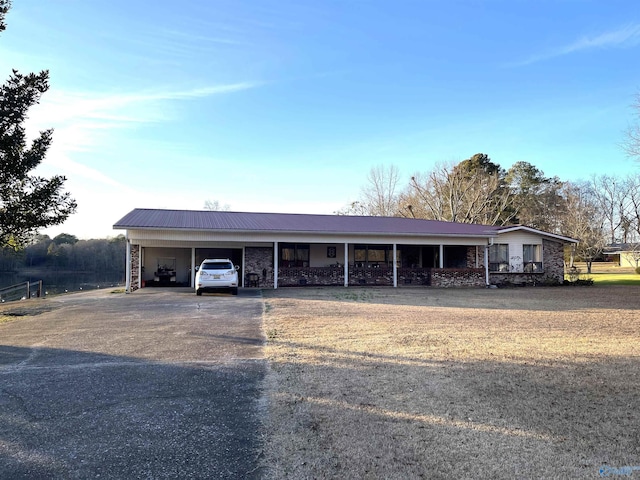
<point>624,254</point>
<point>274,250</point>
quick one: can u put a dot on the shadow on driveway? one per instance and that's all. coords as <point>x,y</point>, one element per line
<point>114,387</point>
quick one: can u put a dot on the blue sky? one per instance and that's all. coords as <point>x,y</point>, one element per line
<point>284,106</point>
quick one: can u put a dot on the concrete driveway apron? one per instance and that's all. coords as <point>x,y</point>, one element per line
<point>155,384</point>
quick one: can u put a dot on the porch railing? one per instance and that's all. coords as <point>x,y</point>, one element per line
<point>22,291</point>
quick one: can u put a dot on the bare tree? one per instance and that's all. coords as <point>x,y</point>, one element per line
<point>472,191</point>
<point>632,136</point>
<point>215,205</point>
<point>379,196</point>
<point>610,195</point>
<point>429,194</point>
<point>584,221</point>
<point>631,225</point>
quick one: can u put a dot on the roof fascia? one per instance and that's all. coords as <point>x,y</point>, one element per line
<point>537,232</point>
<point>486,235</point>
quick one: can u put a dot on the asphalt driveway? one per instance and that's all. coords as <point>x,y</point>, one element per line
<point>155,384</point>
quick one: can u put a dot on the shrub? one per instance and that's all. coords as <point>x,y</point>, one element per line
<point>574,274</point>
<point>550,282</point>
<point>638,270</point>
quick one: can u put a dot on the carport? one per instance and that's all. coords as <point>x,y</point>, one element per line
<point>175,266</point>
<point>277,249</point>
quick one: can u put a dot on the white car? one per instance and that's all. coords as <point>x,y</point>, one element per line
<point>217,274</point>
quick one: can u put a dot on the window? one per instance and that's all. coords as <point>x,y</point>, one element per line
<point>532,258</point>
<point>294,255</point>
<point>499,257</point>
<point>217,266</point>
<point>455,257</point>
<point>374,255</point>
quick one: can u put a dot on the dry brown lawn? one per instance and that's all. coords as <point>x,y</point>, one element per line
<point>452,383</point>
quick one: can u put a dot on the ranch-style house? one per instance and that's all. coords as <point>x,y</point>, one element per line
<point>274,250</point>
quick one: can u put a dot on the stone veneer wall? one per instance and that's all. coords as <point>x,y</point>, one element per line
<point>259,260</point>
<point>457,277</point>
<point>135,267</point>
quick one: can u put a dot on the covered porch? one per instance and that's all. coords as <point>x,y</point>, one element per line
<point>395,265</point>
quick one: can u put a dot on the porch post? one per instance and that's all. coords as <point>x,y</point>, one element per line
<point>441,259</point>
<point>128,266</point>
<point>275,265</point>
<point>395,265</point>
<point>243,264</point>
<point>486,265</point>
<point>192,280</point>
<point>346,264</point>
<point>141,253</point>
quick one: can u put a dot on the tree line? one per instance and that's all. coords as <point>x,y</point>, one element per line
<point>601,211</point>
<point>66,253</point>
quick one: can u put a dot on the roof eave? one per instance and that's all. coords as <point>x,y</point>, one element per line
<point>485,235</point>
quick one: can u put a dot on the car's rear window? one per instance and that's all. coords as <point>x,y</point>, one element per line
<point>217,266</point>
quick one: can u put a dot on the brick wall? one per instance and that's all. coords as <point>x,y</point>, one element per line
<point>516,278</point>
<point>295,277</point>
<point>457,277</point>
<point>471,257</point>
<point>553,256</point>
<point>371,276</point>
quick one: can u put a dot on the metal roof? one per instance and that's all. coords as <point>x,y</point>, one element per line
<point>142,218</point>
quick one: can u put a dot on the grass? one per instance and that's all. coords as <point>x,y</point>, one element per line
<point>615,278</point>
<point>606,273</point>
<point>452,383</point>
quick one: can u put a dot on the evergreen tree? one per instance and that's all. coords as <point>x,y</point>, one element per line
<point>27,202</point>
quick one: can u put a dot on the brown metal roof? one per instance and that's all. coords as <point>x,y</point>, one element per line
<point>142,218</point>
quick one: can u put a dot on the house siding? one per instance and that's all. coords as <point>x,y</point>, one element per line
<point>552,262</point>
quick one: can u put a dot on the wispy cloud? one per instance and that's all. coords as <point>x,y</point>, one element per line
<point>624,37</point>
<point>83,120</point>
